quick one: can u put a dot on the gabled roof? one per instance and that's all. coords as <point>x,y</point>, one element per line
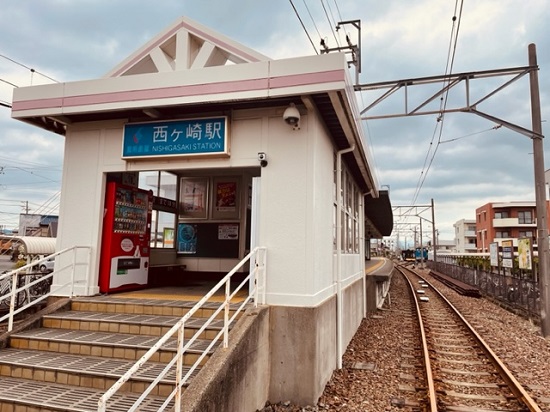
<point>185,45</point>
<point>190,70</point>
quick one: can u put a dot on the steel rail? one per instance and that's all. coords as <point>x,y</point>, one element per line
<point>426,354</point>
<point>517,389</point>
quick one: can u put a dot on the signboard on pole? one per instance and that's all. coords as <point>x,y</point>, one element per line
<point>525,253</point>
<point>507,254</point>
<point>493,253</point>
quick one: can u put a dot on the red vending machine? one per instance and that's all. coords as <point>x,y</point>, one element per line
<point>126,234</point>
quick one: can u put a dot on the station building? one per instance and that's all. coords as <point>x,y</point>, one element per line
<point>234,150</point>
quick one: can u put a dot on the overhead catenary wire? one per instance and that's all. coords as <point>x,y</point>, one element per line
<point>471,134</point>
<point>451,54</point>
<point>329,15</point>
<point>28,68</point>
<point>9,83</point>
<point>338,10</point>
<point>331,24</point>
<point>303,26</point>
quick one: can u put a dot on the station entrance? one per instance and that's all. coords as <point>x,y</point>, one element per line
<point>175,227</point>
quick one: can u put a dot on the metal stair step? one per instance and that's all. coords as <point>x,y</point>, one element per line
<point>139,324</point>
<point>167,307</point>
<point>46,397</point>
<point>83,371</point>
<point>104,344</point>
<point>69,362</point>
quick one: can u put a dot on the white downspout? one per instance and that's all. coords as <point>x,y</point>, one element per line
<point>339,246</point>
<point>362,252</point>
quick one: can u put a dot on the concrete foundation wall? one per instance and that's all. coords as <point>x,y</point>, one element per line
<point>353,309</point>
<point>371,294</point>
<point>376,292</point>
<point>276,354</point>
<point>236,378</point>
<point>303,351</point>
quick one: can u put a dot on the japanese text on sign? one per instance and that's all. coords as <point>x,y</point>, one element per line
<point>183,137</point>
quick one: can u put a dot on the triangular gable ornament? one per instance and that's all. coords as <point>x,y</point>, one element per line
<point>185,45</point>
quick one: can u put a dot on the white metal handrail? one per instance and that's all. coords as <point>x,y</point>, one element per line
<point>257,279</point>
<point>15,289</point>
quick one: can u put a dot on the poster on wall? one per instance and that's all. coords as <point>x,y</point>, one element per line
<point>168,237</point>
<point>228,231</point>
<point>187,238</point>
<point>226,198</point>
<point>194,198</point>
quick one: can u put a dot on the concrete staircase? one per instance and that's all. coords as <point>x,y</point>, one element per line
<point>68,362</point>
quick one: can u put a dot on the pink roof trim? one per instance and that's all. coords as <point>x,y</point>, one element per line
<point>182,91</point>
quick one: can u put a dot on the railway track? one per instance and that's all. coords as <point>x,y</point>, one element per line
<point>460,372</point>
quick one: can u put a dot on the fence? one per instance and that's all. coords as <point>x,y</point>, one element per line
<point>520,294</point>
<point>21,289</point>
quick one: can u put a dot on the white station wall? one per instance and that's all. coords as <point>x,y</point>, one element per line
<point>296,206</point>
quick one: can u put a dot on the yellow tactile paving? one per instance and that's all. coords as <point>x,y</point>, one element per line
<point>379,263</point>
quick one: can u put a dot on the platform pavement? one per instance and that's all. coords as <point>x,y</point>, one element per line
<point>378,266</point>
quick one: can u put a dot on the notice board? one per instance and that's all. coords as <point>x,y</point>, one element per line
<point>208,239</point>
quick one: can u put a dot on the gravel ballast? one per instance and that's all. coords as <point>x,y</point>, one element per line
<point>371,375</point>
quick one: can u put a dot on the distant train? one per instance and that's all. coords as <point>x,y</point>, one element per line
<point>414,255</point>
<point>408,255</point>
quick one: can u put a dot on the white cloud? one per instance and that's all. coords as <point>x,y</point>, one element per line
<point>401,39</point>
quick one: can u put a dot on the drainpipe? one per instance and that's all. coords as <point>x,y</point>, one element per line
<point>362,250</point>
<point>339,198</point>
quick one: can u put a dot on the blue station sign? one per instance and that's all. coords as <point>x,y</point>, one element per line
<point>190,137</point>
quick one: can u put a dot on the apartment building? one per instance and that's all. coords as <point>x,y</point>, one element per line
<point>500,221</point>
<point>465,236</point>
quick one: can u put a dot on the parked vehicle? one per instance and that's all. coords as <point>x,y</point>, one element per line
<point>47,266</point>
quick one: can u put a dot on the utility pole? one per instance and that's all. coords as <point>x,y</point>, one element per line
<point>540,194</point>
<point>434,239</point>
<point>26,206</point>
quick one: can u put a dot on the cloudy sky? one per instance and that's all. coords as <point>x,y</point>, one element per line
<point>461,162</point>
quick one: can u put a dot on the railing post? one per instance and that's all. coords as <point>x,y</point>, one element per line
<point>73,272</point>
<point>88,260</point>
<point>264,273</point>
<point>226,314</point>
<point>12,301</point>
<point>256,280</point>
<point>179,366</point>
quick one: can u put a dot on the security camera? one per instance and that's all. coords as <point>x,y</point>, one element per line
<point>292,116</point>
<point>262,158</point>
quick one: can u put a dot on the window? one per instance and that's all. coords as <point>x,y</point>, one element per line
<point>502,215</point>
<point>350,213</point>
<point>526,233</point>
<point>525,217</point>
<point>502,234</point>
<point>163,185</point>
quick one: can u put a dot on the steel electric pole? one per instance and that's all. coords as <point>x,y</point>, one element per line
<point>540,195</point>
